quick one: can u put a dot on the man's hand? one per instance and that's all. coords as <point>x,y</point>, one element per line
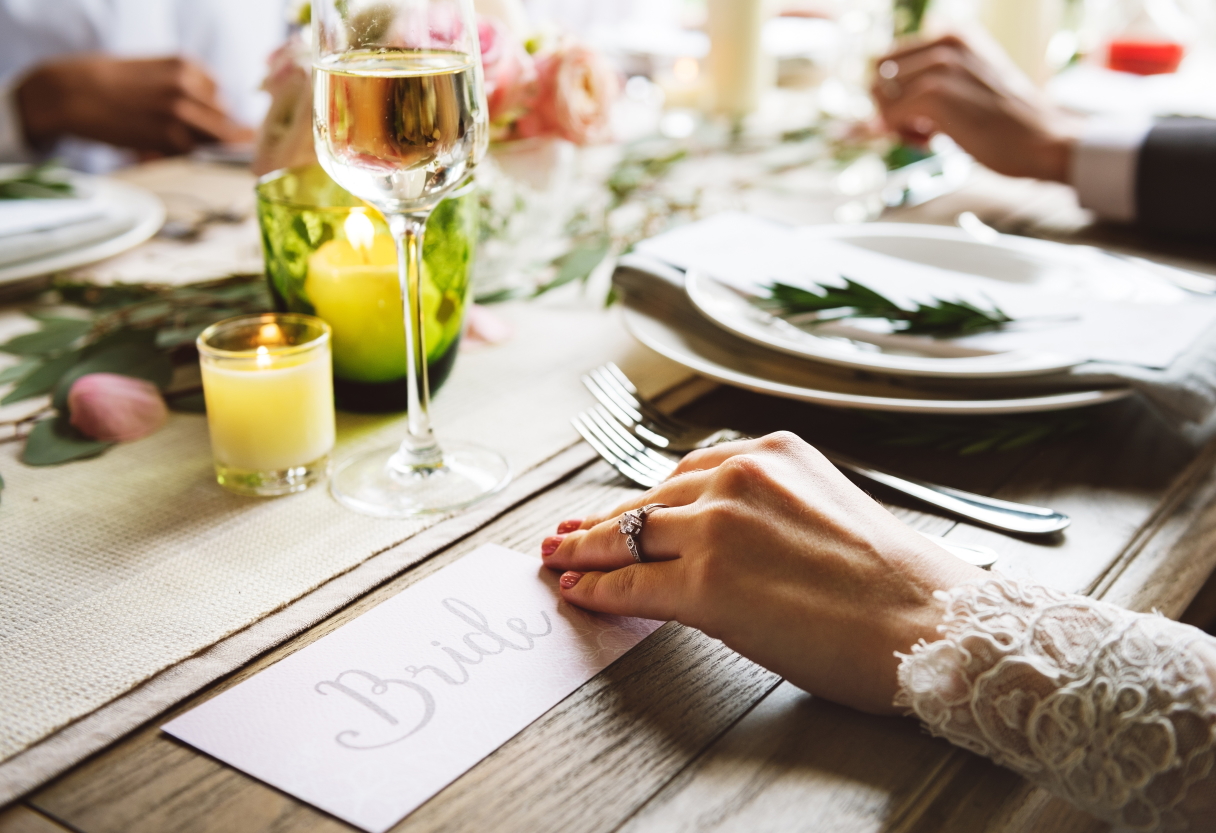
<point>158,105</point>
<point>993,112</point>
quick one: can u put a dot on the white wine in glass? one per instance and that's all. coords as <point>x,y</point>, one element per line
<point>399,117</point>
<point>401,125</point>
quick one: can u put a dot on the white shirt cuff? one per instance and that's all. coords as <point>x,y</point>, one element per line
<point>12,137</point>
<point>1104,166</point>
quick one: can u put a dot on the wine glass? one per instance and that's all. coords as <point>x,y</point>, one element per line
<point>400,119</point>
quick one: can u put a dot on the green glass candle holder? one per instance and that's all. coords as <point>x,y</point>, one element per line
<point>330,254</point>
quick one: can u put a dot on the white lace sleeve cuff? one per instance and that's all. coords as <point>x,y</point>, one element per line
<point>1112,710</point>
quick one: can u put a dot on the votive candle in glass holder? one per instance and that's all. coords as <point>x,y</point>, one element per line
<point>268,383</point>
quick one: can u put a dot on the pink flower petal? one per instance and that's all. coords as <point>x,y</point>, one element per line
<point>115,408</point>
<point>484,328</point>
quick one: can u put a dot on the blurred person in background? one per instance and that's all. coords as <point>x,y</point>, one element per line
<point>101,83</point>
<point>1159,174</point>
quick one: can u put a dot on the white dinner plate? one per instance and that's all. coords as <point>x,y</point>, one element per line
<point>734,361</point>
<point>1053,267</point>
<point>147,214</point>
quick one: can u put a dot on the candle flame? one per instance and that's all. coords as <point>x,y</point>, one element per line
<point>361,233</point>
<point>263,358</point>
<point>271,334</point>
<point>686,70</point>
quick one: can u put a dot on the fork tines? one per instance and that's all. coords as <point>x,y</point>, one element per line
<point>622,450</point>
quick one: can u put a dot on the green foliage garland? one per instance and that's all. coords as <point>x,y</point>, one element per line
<point>135,330</point>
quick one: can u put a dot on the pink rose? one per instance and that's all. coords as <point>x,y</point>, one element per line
<point>508,68</point>
<point>114,408</point>
<point>575,91</point>
<point>285,137</point>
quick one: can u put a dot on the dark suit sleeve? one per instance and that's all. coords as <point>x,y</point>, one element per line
<point>1176,179</point>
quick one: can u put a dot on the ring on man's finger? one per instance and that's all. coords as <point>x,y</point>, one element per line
<point>888,69</point>
<point>631,524</point>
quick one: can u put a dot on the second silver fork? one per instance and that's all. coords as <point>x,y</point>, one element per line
<point>644,428</point>
<point>647,468</point>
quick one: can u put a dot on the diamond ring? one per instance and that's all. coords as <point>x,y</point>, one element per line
<point>631,524</point>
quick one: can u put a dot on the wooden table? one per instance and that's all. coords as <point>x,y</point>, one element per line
<point>684,734</point>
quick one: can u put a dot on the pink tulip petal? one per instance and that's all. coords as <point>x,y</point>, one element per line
<point>115,408</point>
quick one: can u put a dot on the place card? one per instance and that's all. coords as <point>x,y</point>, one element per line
<point>372,720</point>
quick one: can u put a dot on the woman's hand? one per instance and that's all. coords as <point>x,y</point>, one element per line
<point>992,111</point>
<point>769,548</point>
<point>157,105</point>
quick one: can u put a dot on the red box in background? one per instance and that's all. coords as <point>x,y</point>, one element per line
<point>1144,57</point>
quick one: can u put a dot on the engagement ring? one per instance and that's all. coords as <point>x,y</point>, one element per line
<point>631,524</point>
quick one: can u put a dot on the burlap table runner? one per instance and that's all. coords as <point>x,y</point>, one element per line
<point>115,569</point>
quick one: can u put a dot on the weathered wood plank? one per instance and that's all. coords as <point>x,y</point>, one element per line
<point>797,763</point>
<point>982,796</point>
<point>1111,480</point>
<point>22,819</point>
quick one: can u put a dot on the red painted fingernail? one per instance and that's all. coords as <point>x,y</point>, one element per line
<point>550,544</point>
<point>570,579</point>
<point>569,526</point>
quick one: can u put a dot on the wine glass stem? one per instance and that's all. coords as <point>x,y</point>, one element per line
<point>419,449</point>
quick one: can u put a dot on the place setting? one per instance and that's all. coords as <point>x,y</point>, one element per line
<point>916,319</point>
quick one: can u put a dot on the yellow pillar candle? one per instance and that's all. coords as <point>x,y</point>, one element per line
<point>353,284</point>
<point>268,383</point>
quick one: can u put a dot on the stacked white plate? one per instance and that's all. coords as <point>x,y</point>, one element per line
<point>103,218</point>
<point>1080,315</point>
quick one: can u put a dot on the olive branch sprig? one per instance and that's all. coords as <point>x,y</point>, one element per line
<point>36,182</point>
<point>939,319</point>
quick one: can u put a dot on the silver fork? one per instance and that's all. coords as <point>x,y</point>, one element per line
<point>643,428</point>
<point>648,468</point>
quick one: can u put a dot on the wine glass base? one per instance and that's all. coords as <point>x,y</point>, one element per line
<point>368,484</point>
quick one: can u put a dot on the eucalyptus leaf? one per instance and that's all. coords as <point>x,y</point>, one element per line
<point>973,434</point>
<point>939,319</point>
<point>51,317</point>
<point>36,182</point>
<point>54,441</point>
<point>190,403</point>
<point>56,334</point>
<point>576,265</point>
<point>18,371</point>
<point>173,337</point>
<point>103,297</point>
<point>908,16</point>
<point>43,378</point>
<point>498,296</point>
<point>144,337</point>
<point>142,361</point>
